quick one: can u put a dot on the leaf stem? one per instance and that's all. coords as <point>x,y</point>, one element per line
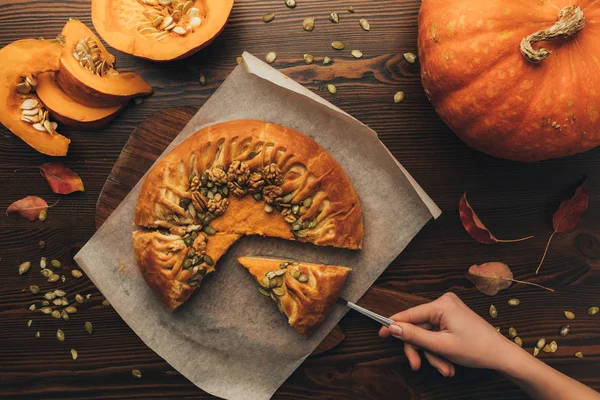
<point>513,240</point>
<point>545,251</point>
<point>533,284</point>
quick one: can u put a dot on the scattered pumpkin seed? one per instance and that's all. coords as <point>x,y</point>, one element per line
<point>398,97</point>
<point>71,310</point>
<point>43,262</point>
<point>268,17</point>
<point>547,349</point>
<point>536,351</point>
<point>76,273</point>
<point>43,214</point>
<point>410,57</point>
<point>46,310</point>
<point>136,372</point>
<point>519,341</point>
<point>365,24</point>
<point>63,278</point>
<point>302,278</point>
<point>46,273</point>
<point>88,327</point>
<point>37,335</point>
<point>45,303</point>
<point>29,323</point>
<point>498,329</point>
<point>514,302</point>
<point>326,60</point>
<point>356,53</point>
<point>53,278</point>
<point>564,331</point>
<point>493,312</point>
<point>60,335</point>
<point>55,314</point>
<point>553,346</point>
<point>593,310</point>
<point>338,45</point>
<point>271,57</point>
<point>50,296</point>
<point>105,302</point>
<point>64,315</point>
<point>264,291</point>
<point>202,79</point>
<point>60,293</point>
<point>268,208</point>
<point>569,315</point>
<point>308,59</point>
<point>57,302</point>
<point>512,332</point>
<point>351,9</point>
<point>331,88</point>
<point>308,24</point>
<point>334,17</point>
<point>579,354</point>
<point>55,264</point>
<point>24,267</point>
<point>239,59</point>
<point>32,307</point>
<point>541,343</point>
<point>74,354</point>
<point>34,289</point>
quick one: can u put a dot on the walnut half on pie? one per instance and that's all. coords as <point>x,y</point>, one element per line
<point>304,292</point>
<point>233,179</point>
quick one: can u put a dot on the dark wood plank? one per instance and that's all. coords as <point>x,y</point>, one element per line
<point>513,199</point>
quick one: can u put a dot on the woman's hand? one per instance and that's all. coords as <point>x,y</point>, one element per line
<point>451,330</point>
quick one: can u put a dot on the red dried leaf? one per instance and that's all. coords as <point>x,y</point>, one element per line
<point>568,215</point>
<point>570,211</point>
<point>475,227</point>
<point>61,179</point>
<point>491,277</point>
<point>28,207</point>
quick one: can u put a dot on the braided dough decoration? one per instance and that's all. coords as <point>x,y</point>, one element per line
<point>306,304</point>
<point>296,191</point>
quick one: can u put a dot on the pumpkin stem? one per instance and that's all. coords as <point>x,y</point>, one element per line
<point>570,21</point>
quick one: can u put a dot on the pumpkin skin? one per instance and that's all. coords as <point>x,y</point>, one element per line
<point>67,111</point>
<point>28,57</point>
<point>494,99</point>
<point>117,23</point>
<point>90,89</point>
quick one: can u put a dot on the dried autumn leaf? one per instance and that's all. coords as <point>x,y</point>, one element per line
<point>492,277</point>
<point>475,227</point>
<point>61,179</point>
<point>568,215</point>
<point>28,207</point>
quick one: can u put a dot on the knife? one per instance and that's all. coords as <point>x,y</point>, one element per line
<point>367,313</point>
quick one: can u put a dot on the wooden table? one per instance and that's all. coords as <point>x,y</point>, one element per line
<point>513,199</point>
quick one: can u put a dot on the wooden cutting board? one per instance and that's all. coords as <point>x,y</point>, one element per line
<point>148,141</point>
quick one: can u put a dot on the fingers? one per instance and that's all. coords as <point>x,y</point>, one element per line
<point>444,367</point>
<point>417,336</point>
<point>428,312</point>
<point>412,354</point>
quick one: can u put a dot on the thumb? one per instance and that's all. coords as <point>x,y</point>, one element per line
<point>416,336</point>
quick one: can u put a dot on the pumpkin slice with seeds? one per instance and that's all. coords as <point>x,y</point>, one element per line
<point>304,292</point>
<point>67,111</point>
<point>160,30</point>
<point>87,73</point>
<point>234,179</point>
<point>21,111</point>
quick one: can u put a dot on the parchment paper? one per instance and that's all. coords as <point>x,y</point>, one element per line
<point>229,339</point>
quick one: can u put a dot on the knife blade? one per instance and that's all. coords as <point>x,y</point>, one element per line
<point>367,313</point>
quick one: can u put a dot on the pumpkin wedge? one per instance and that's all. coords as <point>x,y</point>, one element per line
<point>160,30</point>
<point>67,111</point>
<point>86,71</point>
<point>20,109</point>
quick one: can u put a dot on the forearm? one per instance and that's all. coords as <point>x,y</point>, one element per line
<point>541,381</point>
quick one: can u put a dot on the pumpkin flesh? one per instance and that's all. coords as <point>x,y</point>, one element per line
<point>28,57</point>
<point>494,99</point>
<point>67,111</point>
<point>119,21</point>
<point>90,89</point>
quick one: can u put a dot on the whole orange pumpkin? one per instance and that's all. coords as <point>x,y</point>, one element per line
<point>515,79</point>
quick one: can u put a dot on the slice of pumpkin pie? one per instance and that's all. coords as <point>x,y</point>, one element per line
<point>233,179</point>
<point>304,292</point>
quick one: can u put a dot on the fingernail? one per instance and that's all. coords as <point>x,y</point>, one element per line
<point>396,330</point>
